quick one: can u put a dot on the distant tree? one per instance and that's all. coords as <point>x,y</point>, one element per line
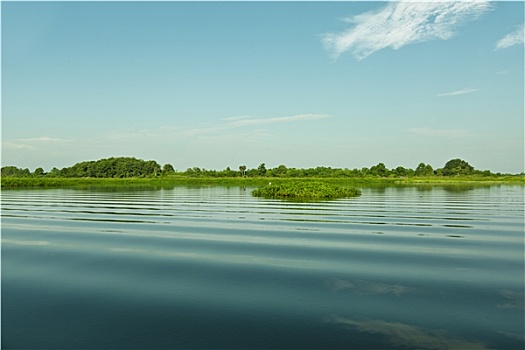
<point>456,167</point>
<point>14,171</point>
<point>54,172</point>
<point>424,170</point>
<point>261,170</point>
<point>38,172</point>
<point>379,170</point>
<point>242,169</point>
<point>167,169</point>
<point>280,171</point>
<point>9,170</point>
<point>112,167</point>
<point>400,171</point>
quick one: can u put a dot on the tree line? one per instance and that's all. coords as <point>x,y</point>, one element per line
<point>129,167</point>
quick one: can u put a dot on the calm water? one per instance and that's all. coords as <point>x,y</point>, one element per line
<point>398,267</point>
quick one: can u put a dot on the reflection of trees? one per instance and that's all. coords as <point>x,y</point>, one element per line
<point>424,188</point>
<point>461,187</point>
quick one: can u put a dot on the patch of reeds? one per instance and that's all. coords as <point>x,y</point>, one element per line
<point>306,190</point>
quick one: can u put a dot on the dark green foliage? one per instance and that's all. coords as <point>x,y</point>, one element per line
<point>424,170</point>
<point>456,167</point>
<point>261,170</point>
<point>379,170</point>
<point>306,190</point>
<point>122,167</point>
<point>167,169</point>
<point>39,172</point>
<point>126,167</point>
<point>14,171</point>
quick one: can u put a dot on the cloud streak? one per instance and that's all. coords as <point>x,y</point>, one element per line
<point>245,121</point>
<point>458,92</point>
<point>230,123</point>
<point>402,23</point>
<point>511,39</point>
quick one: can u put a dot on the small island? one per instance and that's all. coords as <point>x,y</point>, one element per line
<point>306,190</point>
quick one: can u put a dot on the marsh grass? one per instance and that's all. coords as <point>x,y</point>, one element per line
<point>13,182</point>
<point>307,190</point>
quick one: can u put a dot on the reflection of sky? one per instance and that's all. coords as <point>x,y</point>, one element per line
<point>513,300</point>
<point>368,287</point>
<point>408,336</point>
<point>21,242</point>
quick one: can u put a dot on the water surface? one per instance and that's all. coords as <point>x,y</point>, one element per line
<point>213,267</point>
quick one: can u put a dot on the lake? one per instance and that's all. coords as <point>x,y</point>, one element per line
<point>411,267</point>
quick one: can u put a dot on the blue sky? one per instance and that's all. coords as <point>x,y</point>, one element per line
<point>305,84</point>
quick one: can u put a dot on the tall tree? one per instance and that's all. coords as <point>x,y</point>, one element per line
<point>242,169</point>
<point>457,167</point>
<point>261,170</point>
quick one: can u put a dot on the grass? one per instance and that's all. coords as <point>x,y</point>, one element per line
<point>9,182</point>
<point>306,190</point>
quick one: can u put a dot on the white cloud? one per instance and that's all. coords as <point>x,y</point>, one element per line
<point>458,92</point>
<point>511,39</point>
<point>15,145</point>
<point>429,132</point>
<point>225,124</point>
<point>30,143</point>
<point>243,121</point>
<point>402,23</point>
<point>43,139</point>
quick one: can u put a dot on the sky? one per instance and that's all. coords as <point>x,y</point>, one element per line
<point>223,84</point>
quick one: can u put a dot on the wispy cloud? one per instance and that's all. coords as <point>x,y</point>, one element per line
<point>42,139</point>
<point>16,145</point>
<point>455,133</point>
<point>172,132</point>
<point>244,121</point>
<point>458,92</point>
<point>30,143</point>
<point>402,23</point>
<point>511,39</point>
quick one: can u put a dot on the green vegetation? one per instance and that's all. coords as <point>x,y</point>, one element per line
<point>306,190</point>
<point>125,171</point>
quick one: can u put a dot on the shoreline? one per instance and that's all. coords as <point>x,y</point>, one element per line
<point>9,182</point>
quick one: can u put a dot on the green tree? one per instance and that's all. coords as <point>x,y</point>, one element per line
<point>54,172</point>
<point>261,170</point>
<point>280,171</point>
<point>167,169</point>
<point>379,170</point>
<point>38,172</point>
<point>455,167</point>
<point>424,170</point>
<point>400,171</point>
<point>242,169</point>
<point>9,170</point>
<point>14,171</point>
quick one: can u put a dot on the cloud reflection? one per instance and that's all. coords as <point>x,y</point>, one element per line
<point>513,300</point>
<point>30,243</point>
<point>367,287</point>
<point>409,337</point>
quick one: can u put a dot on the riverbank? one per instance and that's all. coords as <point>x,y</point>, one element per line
<point>10,182</point>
